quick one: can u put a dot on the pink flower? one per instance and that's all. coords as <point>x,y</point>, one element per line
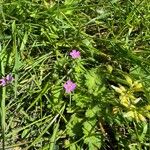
<point>9,78</point>
<point>2,82</point>
<point>6,80</point>
<point>75,54</point>
<point>69,86</point>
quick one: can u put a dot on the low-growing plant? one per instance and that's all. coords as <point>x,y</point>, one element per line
<point>74,75</point>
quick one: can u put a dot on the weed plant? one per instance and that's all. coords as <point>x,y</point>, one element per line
<point>96,97</point>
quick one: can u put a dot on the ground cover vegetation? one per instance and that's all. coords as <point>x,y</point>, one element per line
<point>75,74</point>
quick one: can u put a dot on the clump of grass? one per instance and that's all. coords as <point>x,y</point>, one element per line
<point>106,102</point>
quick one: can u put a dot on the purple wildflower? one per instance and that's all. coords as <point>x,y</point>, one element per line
<point>9,78</point>
<point>2,82</point>
<point>6,80</point>
<point>75,54</point>
<point>69,86</point>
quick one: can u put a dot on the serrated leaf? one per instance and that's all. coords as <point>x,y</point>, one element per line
<point>81,100</point>
<point>89,127</point>
<point>94,142</point>
<point>93,81</point>
<point>92,112</point>
<point>74,126</point>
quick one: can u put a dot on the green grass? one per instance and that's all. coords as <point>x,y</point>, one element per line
<point>109,109</point>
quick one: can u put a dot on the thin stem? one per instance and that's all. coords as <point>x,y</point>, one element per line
<point>3,116</point>
<point>3,108</point>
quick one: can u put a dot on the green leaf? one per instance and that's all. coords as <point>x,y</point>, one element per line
<point>94,82</point>
<point>145,129</point>
<point>89,127</point>
<point>94,142</point>
<point>54,136</point>
<point>91,112</point>
<point>74,127</point>
<point>24,133</point>
<point>81,99</point>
